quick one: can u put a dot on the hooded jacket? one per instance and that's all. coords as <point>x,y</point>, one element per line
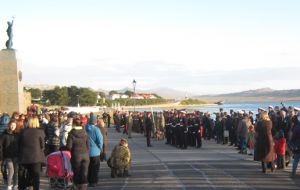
<point>78,143</point>
<point>96,140</point>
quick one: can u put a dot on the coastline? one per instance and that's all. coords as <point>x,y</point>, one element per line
<point>175,105</point>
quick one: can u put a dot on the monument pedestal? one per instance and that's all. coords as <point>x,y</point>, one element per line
<point>11,88</point>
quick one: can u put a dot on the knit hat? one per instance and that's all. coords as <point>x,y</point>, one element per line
<point>93,120</point>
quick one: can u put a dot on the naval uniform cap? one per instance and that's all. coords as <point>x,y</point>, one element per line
<point>296,108</point>
<point>241,112</point>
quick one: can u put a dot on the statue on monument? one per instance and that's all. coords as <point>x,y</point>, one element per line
<point>9,32</point>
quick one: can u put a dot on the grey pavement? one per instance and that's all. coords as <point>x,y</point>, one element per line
<point>213,166</point>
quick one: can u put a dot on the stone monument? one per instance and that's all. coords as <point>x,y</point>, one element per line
<point>11,88</point>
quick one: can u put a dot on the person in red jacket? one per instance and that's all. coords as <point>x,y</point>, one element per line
<point>280,147</point>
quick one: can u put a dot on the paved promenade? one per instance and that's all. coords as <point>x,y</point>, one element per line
<point>211,167</point>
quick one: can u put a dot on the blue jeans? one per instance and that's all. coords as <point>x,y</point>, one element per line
<point>295,163</point>
<point>12,171</point>
<point>243,144</point>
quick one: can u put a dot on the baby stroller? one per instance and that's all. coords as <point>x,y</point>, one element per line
<point>59,170</point>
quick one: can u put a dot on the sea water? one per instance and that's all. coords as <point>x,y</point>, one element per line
<point>246,106</point>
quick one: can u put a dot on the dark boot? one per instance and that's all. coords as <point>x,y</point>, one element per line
<point>120,173</point>
<point>126,173</point>
<point>113,173</point>
<point>263,166</point>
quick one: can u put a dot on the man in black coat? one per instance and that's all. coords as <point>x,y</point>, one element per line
<point>149,125</point>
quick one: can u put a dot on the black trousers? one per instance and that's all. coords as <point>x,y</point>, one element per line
<point>80,169</point>
<point>94,168</point>
<point>148,136</point>
<point>198,139</point>
<point>29,175</point>
<point>168,134</point>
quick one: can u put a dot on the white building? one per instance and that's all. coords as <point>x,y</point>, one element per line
<point>118,96</point>
<point>115,96</point>
<point>124,96</point>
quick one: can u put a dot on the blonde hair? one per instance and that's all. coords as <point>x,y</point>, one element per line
<point>101,123</point>
<point>264,116</point>
<point>34,123</point>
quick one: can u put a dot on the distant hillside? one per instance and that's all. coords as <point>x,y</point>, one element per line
<point>263,94</point>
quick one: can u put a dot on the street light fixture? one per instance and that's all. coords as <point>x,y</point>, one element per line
<point>134,84</point>
<point>78,105</point>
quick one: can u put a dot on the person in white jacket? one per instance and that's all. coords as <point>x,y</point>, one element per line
<point>64,131</point>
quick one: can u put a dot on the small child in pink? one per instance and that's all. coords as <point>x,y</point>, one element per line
<point>280,148</point>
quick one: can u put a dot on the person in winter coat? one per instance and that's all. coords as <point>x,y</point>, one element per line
<point>243,133</point>
<point>264,147</point>
<point>64,132</point>
<point>120,160</point>
<point>9,153</point>
<point>52,135</point>
<point>31,154</point>
<point>96,145</point>
<point>116,121</point>
<point>295,140</point>
<point>280,147</point>
<point>251,140</point>
<point>103,130</point>
<point>4,121</point>
<point>79,145</point>
<point>130,123</point>
<point>149,126</point>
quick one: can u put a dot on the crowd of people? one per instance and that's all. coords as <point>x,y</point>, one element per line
<point>26,141</point>
<point>271,137</point>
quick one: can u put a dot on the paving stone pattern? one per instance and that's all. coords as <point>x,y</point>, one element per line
<point>164,167</point>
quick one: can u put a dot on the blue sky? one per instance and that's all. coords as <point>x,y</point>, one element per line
<point>190,45</point>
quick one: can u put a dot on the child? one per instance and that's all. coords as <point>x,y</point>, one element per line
<point>280,147</point>
<point>120,160</point>
<point>9,143</point>
<point>251,140</point>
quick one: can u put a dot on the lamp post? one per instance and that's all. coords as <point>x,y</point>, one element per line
<point>134,84</point>
<point>78,105</point>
